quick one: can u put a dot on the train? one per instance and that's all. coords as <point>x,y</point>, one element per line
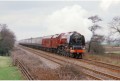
<point>70,44</point>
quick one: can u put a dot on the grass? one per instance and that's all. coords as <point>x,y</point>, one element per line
<point>106,58</point>
<point>114,52</point>
<point>7,71</point>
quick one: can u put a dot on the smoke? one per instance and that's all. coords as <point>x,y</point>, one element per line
<point>69,18</point>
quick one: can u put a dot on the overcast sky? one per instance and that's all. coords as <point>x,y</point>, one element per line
<point>40,18</point>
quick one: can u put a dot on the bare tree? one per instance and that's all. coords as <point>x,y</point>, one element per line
<point>93,28</point>
<point>115,25</point>
<point>7,40</point>
<point>0,31</point>
<point>114,35</point>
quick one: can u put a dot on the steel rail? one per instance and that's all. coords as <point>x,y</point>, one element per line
<point>24,71</point>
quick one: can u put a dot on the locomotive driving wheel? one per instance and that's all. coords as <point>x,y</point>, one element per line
<point>80,56</point>
<point>72,55</point>
<point>77,56</point>
<point>58,50</point>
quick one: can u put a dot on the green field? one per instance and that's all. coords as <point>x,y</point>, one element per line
<point>7,71</point>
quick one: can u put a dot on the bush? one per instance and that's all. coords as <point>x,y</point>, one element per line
<point>94,45</point>
<point>97,48</point>
<point>69,72</point>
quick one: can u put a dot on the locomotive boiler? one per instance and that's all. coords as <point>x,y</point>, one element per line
<point>70,44</point>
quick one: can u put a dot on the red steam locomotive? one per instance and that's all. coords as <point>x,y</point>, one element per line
<point>68,44</point>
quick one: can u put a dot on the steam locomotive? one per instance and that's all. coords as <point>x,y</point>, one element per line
<point>70,44</point>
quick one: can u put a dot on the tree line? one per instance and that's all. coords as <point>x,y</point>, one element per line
<point>95,43</point>
<point>7,40</point>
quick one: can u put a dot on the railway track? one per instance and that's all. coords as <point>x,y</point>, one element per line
<point>59,61</point>
<point>95,74</point>
<point>24,71</point>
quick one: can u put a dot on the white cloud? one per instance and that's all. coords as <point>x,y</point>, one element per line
<point>105,4</point>
<point>70,18</point>
<point>28,22</point>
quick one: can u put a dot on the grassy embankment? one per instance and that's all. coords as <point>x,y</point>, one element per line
<point>7,71</point>
<point>113,59</point>
<point>111,55</point>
